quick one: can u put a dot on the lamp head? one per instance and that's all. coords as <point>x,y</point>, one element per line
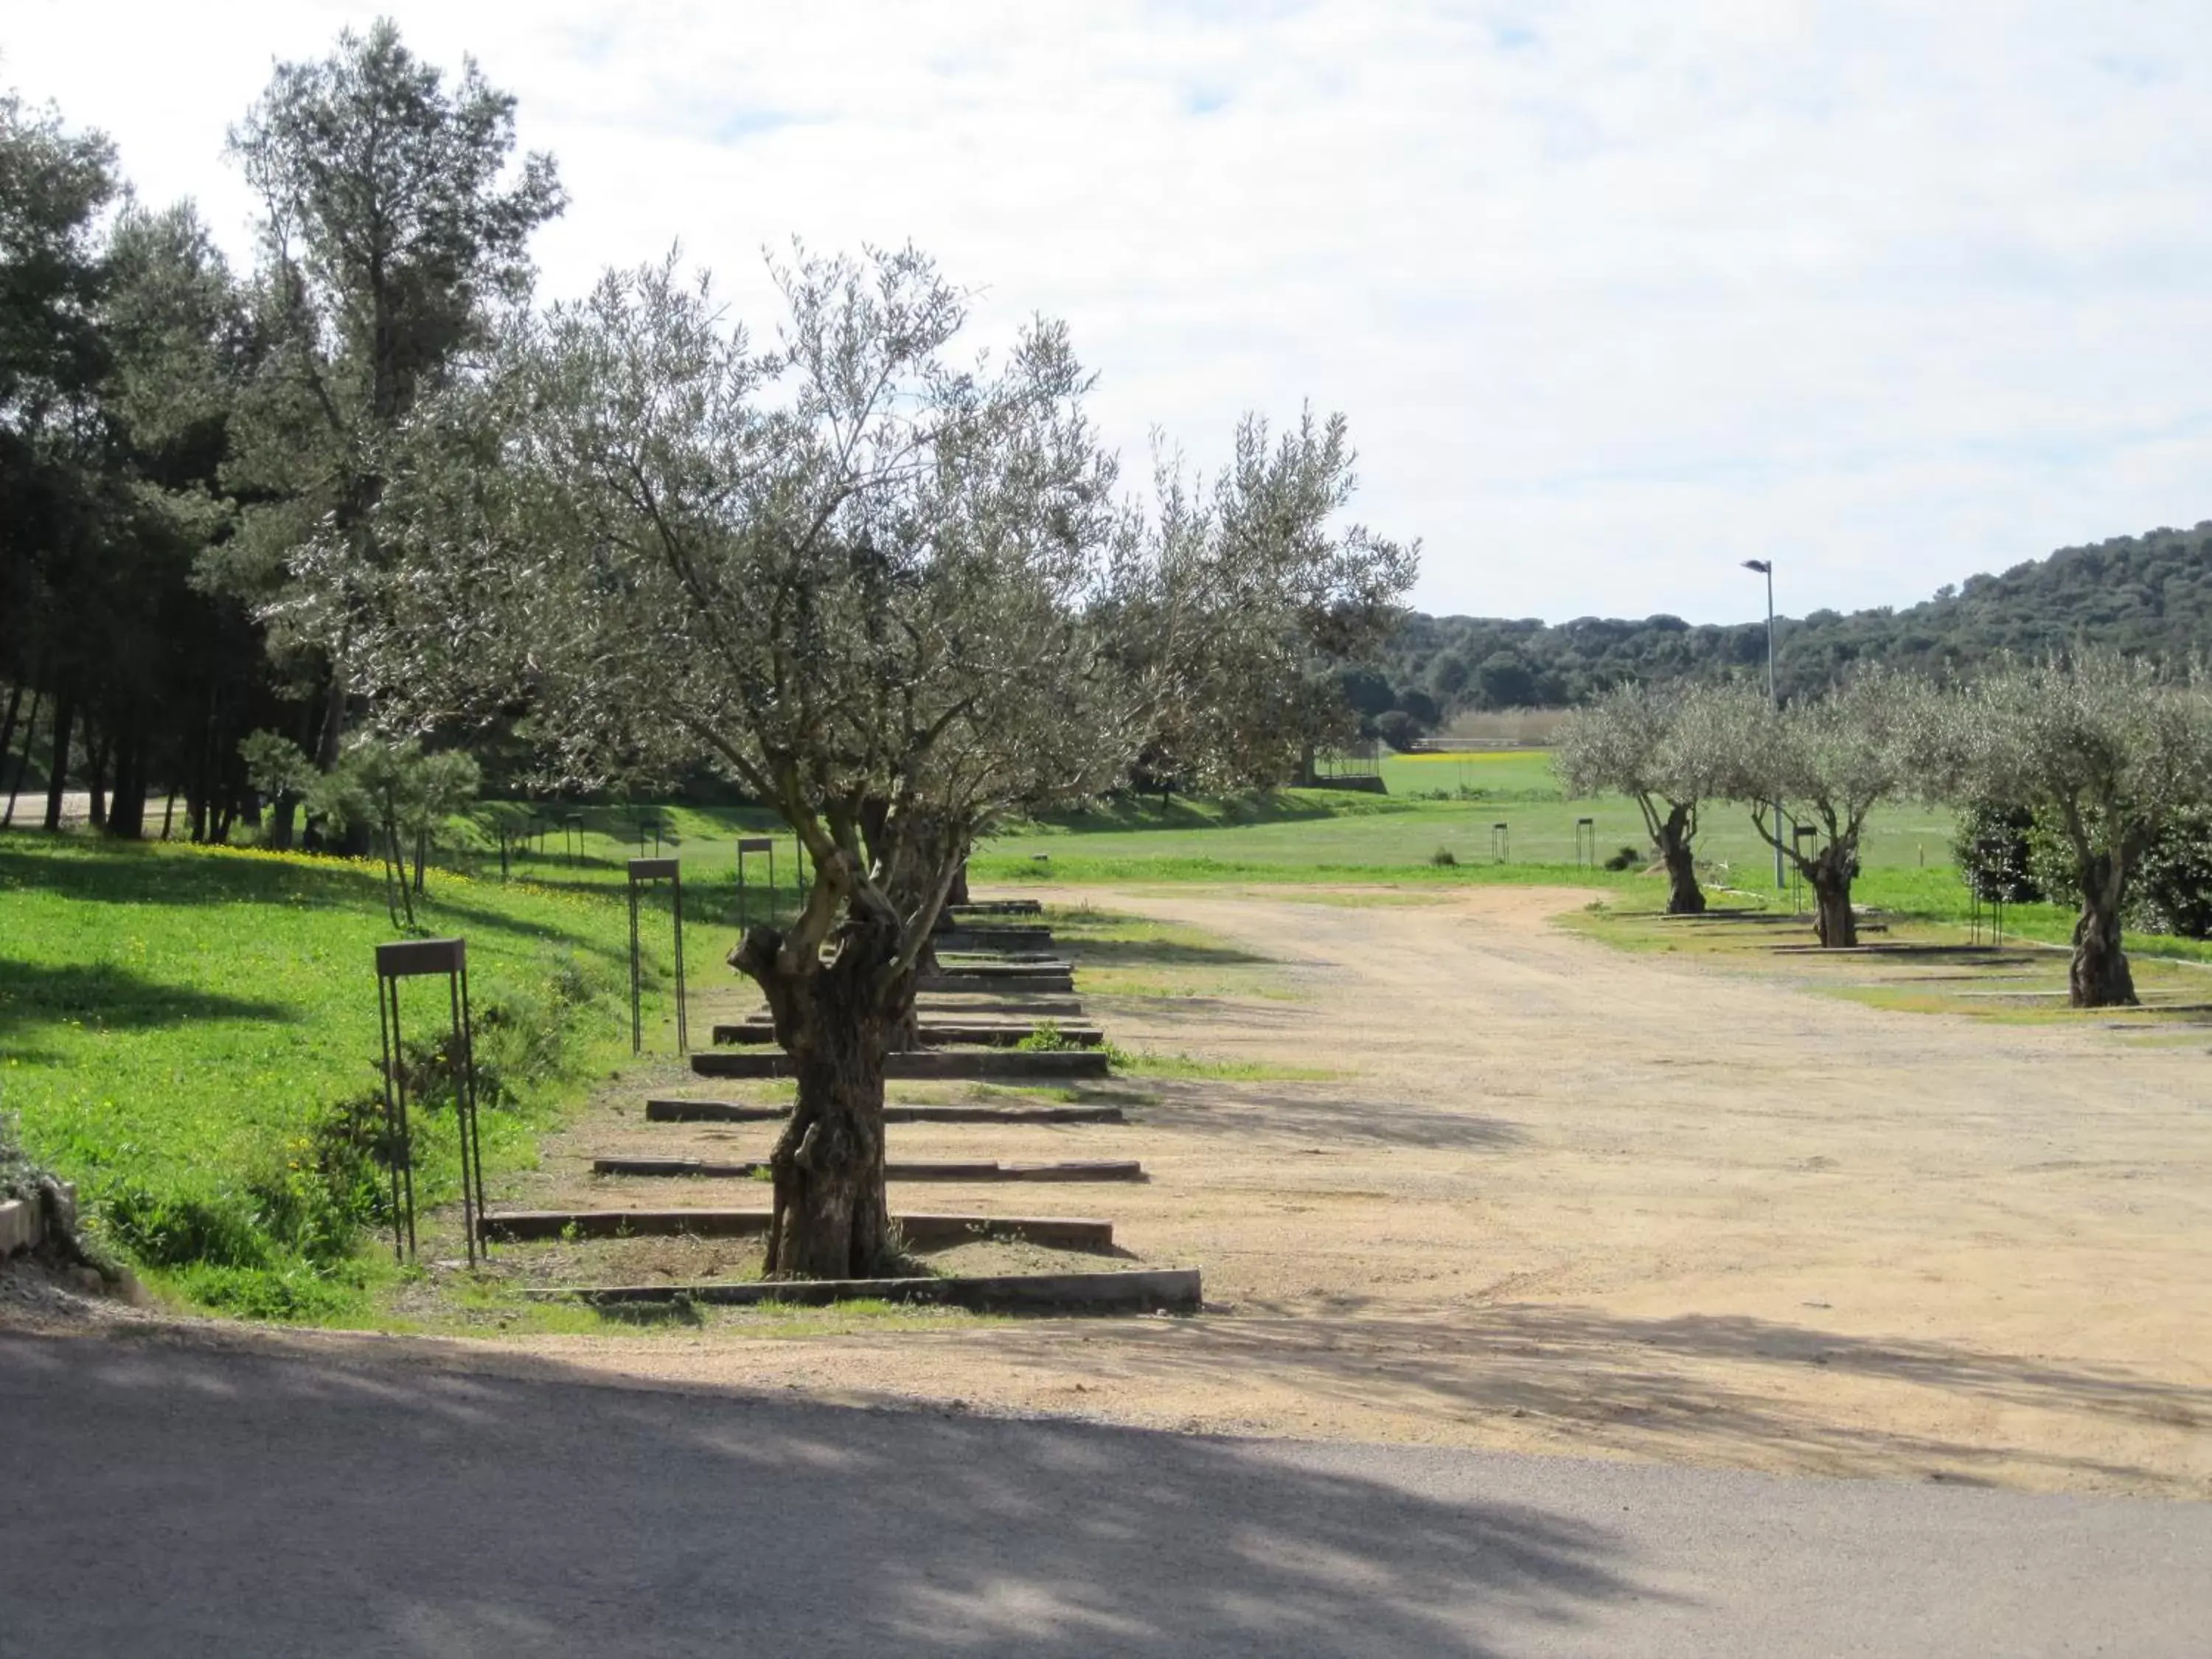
<point>1760,565</point>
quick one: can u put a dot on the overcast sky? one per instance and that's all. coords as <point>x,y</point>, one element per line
<point>1615,295</point>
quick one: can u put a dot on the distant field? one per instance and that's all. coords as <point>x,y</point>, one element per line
<point>1342,831</point>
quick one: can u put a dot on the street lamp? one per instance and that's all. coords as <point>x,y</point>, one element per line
<point>1766,567</point>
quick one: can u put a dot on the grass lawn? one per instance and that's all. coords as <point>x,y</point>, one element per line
<point>1452,803</point>
<point>191,1033</point>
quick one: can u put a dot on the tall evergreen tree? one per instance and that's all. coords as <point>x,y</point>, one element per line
<point>395,237</point>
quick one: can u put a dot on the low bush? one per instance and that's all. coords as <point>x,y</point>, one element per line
<point>1628,858</point>
<point>1046,1037</point>
<point>1443,857</point>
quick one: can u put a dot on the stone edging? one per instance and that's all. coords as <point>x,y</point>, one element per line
<point>24,1222</point>
<point>1172,1290</point>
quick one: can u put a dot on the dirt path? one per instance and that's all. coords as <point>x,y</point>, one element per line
<point>1568,1199</point>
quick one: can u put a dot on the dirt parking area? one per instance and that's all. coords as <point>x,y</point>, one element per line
<point>1472,1178</point>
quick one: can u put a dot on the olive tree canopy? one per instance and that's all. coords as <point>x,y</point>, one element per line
<point>1651,743</point>
<point>895,595</point>
<point>2104,749</point>
<point>1829,761</point>
<point>1256,595</point>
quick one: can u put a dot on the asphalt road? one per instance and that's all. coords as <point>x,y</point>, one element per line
<point>160,1498</point>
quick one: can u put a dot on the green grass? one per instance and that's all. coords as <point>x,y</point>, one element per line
<point>1323,836</point>
<point>191,1033</point>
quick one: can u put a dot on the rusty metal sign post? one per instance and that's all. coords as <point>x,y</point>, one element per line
<point>754,844</point>
<point>642,870</point>
<point>411,959</point>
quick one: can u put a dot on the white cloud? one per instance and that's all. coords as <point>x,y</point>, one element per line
<point>1615,295</point>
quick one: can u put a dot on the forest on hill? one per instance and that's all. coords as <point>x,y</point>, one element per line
<point>2149,595</point>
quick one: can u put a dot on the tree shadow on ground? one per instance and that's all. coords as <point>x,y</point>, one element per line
<point>408,1509</point>
<point>1318,1111</point>
<point>105,996</point>
<point>1155,952</point>
<point>1647,1385</point>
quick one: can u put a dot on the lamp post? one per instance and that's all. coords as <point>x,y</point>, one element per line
<point>1766,567</point>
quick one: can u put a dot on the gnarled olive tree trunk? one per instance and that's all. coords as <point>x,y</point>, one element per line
<point>835,1016</point>
<point>1830,874</point>
<point>1674,834</point>
<point>2099,976</point>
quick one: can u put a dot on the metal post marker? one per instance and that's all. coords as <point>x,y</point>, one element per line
<point>1766,567</point>
<point>642,870</point>
<point>1797,835</point>
<point>410,959</point>
<point>754,844</point>
<point>1501,843</point>
<point>1585,838</point>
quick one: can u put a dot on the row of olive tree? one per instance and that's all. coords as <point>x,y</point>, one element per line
<point>2105,750</point>
<point>896,596</point>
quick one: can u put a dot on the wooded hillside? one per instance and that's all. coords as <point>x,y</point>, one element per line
<point>2149,595</point>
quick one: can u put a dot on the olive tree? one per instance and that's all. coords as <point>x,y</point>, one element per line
<point>1257,598</point>
<point>1812,771</point>
<point>887,591</point>
<point>1649,743</point>
<point>2104,751</point>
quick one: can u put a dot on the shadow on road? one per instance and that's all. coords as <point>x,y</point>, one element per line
<point>1646,1386</point>
<point>270,1505</point>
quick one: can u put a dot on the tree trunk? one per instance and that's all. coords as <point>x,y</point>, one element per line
<point>332,736</point>
<point>8,725</point>
<point>959,894</point>
<point>1684,896</point>
<point>23,766</point>
<point>57,771</point>
<point>2099,976</point>
<point>1833,923</point>
<point>99,743</point>
<point>284,813</point>
<point>831,1220</point>
<point>126,808</point>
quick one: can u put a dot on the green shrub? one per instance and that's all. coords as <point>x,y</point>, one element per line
<point>1628,858</point>
<point>2174,884</point>
<point>291,1292</point>
<point>1996,856</point>
<point>168,1228</point>
<point>1046,1037</point>
<point>1443,857</point>
<point>2008,855</point>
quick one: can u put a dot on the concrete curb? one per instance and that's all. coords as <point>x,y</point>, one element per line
<point>23,1225</point>
<point>1063,1232</point>
<point>1166,1289</point>
<point>27,1222</point>
<point>985,1034</point>
<point>947,1064</point>
<point>704,1169</point>
<point>732,1111</point>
